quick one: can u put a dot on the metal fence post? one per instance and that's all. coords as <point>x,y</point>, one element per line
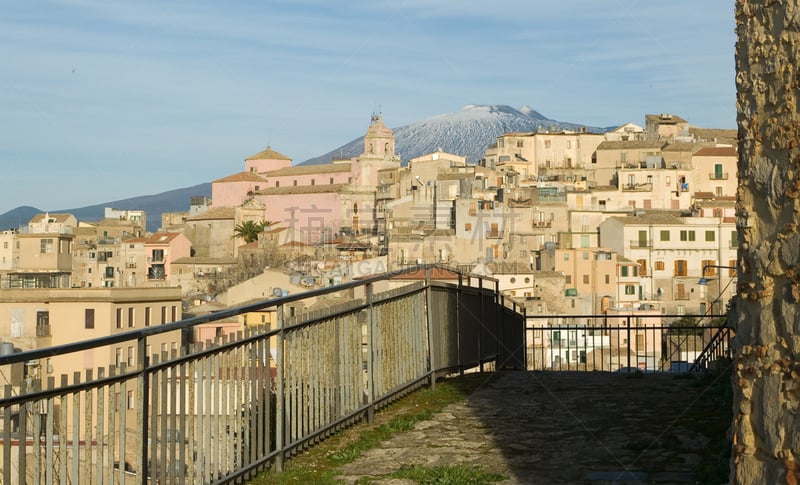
<point>280,418</point>
<point>458,326</point>
<point>431,336</point>
<point>482,325</point>
<point>628,322</point>
<point>370,357</point>
<point>142,411</point>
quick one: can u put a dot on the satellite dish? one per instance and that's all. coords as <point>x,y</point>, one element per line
<point>277,292</point>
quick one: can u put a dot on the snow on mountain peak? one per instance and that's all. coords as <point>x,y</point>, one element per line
<point>466,132</point>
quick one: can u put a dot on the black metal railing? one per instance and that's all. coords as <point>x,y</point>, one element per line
<point>650,342</point>
<point>221,410</point>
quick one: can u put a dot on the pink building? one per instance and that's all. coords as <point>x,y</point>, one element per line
<point>319,201</point>
<point>161,249</point>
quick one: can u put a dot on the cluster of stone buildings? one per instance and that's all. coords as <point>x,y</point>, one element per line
<point>568,222</point>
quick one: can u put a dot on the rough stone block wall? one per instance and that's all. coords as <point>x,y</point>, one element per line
<point>766,379</point>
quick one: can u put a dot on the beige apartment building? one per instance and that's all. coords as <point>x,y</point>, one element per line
<point>714,170</point>
<point>673,253</point>
<point>38,318</point>
<point>532,154</point>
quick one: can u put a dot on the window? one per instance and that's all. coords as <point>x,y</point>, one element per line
<point>174,313</point>
<point>513,280</point>
<point>119,318</point>
<point>709,268</point>
<point>147,312</point>
<point>642,266</point>
<point>163,315</point>
<point>658,265</point>
<point>680,267</point>
<point>277,183</point>
<point>734,239</point>
<point>623,271</point>
<point>566,256</point>
<point>131,322</point>
<point>547,143</point>
<point>117,356</point>
<point>732,269</point>
<point>687,235</point>
<point>42,323</point>
<point>710,236</point>
<point>467,226</point>
<point>608,279</point>
<point>630,289</point>
<point>46,246</point>
<point>568,279</point>
<point>109,272</point>
<point>313,182</point>
<point>131,400</point>
<point>665,235</point>
<point>131,360</point>
<point>586,279</point>
<point>331,180</point>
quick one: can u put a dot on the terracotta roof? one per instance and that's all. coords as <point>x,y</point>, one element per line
<point>436,274</point>
<point>309,169</point>
<point>55,217</point>
<point>353,246</point>
<point>214,213</point>
<point>631,144</point>
<point>303,189</point>
<point>295,244</point>
<point>161,237</point>
<point>268,154</point>
<point>716,152</point>
<point>665,118</point>
<point>714,134</point>
<point>242,177</point>
<point>683,146</point>
<point>205,260</point>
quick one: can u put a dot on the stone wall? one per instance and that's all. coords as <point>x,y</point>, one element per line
<point>767,375</point>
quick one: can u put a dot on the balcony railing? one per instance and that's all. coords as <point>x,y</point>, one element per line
<point>646,342</point>
<point>645,187</point>
<point>43,330</point>
<point>718,176</point>
<point>638,243</point>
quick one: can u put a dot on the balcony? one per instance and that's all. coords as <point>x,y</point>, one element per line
<point>542,224</point>
<point>641,244</point>
<point>130,265</point>
<point>645,187</point>
<point>43,330</point>
<point>718,176</point>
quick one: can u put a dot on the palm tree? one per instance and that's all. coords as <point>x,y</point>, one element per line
<point>249,230</point>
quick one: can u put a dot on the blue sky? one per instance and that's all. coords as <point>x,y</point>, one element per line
<point>102,100</point>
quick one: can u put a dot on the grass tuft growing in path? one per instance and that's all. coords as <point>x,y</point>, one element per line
<point>318,465</point>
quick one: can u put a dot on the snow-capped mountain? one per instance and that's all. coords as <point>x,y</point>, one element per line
<point>467,132</point>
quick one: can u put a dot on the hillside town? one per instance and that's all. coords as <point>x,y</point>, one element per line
<point>636,221</point>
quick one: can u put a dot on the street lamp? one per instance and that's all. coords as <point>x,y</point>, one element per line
<point>703,281</point>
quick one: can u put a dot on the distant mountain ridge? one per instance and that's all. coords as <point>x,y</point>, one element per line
<point>467,132</point>
<point>177,200</point>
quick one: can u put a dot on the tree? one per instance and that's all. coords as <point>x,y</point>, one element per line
<point>249,230</point>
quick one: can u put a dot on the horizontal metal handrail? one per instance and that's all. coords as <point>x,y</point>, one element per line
<point>248,401</point>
